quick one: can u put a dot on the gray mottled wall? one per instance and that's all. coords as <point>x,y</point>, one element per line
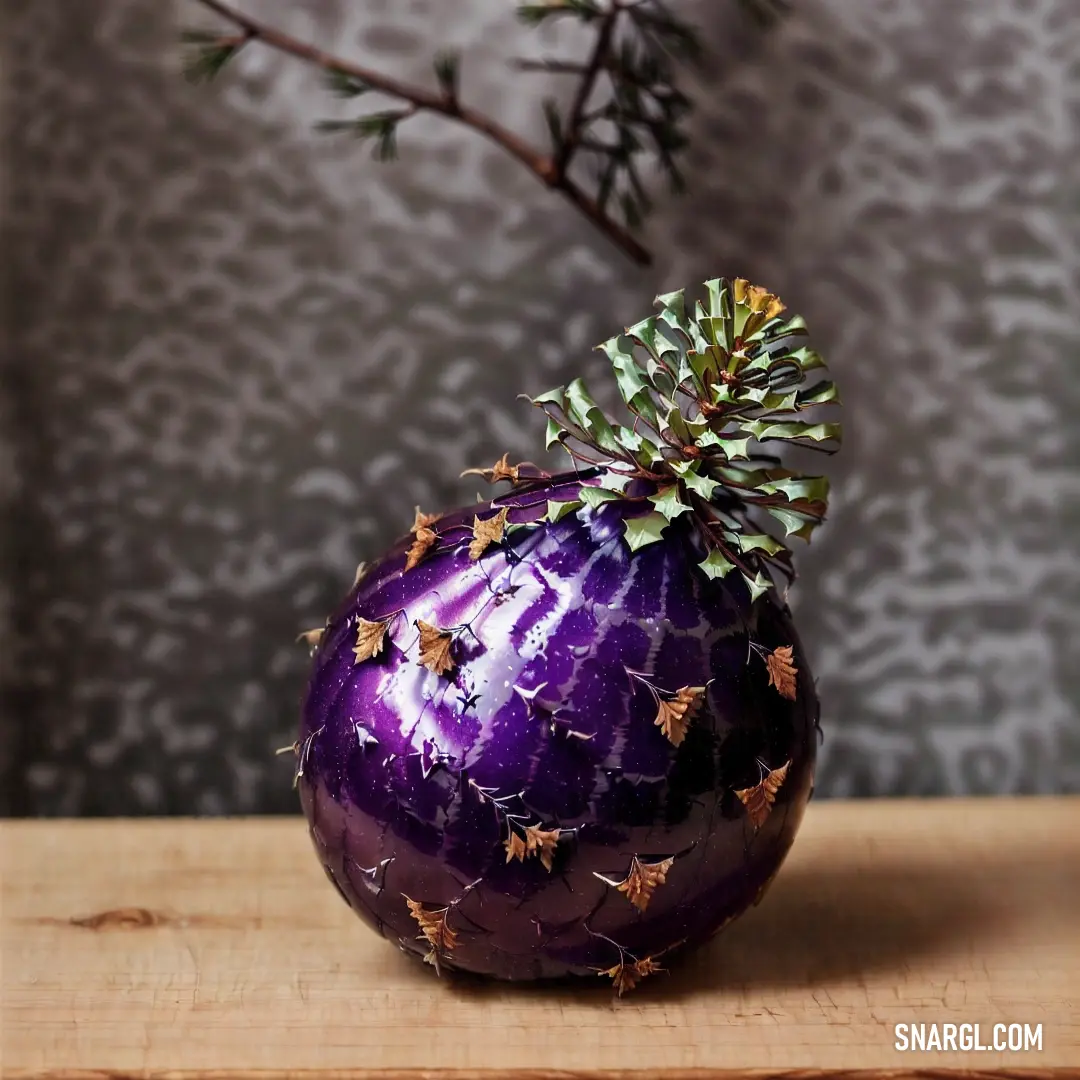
<point>238,353</point>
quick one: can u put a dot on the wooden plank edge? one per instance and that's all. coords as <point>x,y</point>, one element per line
<point>925,1073</point>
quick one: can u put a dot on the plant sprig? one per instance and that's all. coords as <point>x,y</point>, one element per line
<point>705,390</point>
<point>626,108</point>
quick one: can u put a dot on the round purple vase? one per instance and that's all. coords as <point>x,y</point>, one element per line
<point>561,647</point>
<point>571,730</point>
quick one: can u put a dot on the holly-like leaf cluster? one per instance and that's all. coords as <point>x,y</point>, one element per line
<point>705,388</point>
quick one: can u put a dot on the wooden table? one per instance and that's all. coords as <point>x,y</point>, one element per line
<point>217,948</point>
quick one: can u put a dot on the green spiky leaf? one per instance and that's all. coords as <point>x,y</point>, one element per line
<point>787,402</point>
<point>735,448</point>
<point>640,531</point>
<point>796,429</point>
<point>675,423</point>
<point>647,334</point>
<point>759,542</point>
<point>759,584</point>
<point>705,486</point>
<point>807,359</point>
<point>716,565</point>
<point>706,365</point>
<point>648,455</point>
<point>824,393</point>
<point>558,510</point>
<point>627,373</point>
<point>554,434</point>
<point>584,411</point>
<point>556,397</point>
<point>672,307</point>
<point>810,488</point>
<point>669,504</point>
<point>597,496</point>
<point>794,524</point>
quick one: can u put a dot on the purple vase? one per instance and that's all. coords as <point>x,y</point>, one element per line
<point>532,803</point>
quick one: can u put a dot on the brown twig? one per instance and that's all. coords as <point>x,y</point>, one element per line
<point>550,170</point>
<point>593,67</point>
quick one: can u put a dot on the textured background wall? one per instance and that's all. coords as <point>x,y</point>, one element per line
<point>238,353</point>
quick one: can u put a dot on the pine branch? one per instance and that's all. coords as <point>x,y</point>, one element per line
<point>209,53</point>
<point>350,79</point>
<point>380,126</point>
<point>593,67</point>
<point>631,68</point>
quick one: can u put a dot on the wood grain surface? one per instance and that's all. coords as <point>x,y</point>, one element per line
<point>216,948</point>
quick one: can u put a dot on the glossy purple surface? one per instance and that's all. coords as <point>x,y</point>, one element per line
<point>552,619</point>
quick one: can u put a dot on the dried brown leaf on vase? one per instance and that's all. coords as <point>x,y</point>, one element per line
<point>434,930</point>
<point>361,573</point>
<point>501,470</point>
<point>674,716</point>
<point>433,926</point>
<point>542,843</point>
<point>424,538</point>
<point>435,647</point>
<point>782,671</point>
<point>625,976</point>
<point>622,977</point>
<point>370,638</point>
<point>515,847</point>
<point>487,531</point>
<point>648,966</point>
<point>312,637</point>
<point>422,520</point>
<point>759,799</point>
<point>642,880</point>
